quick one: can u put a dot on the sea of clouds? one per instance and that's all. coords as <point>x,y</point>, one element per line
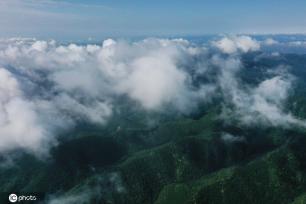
<point>47,87</point>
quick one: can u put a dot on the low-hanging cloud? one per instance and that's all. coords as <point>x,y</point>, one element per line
<point>57,86</point>
<point>262,104</point>
<point>19,123</point>
<point>100,190</point>
<point>230,45</point>
<point>47,87</point>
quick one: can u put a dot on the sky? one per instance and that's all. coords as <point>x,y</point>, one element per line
<point>83,19</point>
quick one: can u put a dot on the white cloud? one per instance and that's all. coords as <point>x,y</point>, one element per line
<point>147,71</point>
<point>275,89</point>
<point>82,197</point>
<point>297,43</point>
<point>101,189</point>
<point>270,41</point>
<point>59,85</point>
<point>153,81</point>
<point>19,123</point>
<point>230,45</point>
<point>226,45</point>
<point>46,87</point>
<point>262,104</point>
<point>229,138</point>
<point>268,101</point>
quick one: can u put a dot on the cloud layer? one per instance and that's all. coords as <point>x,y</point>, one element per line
<point>230,45</point>
<point>19,124</point>
<point>47,87</point>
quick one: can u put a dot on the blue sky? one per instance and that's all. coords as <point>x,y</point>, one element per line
<point>80,19</point>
